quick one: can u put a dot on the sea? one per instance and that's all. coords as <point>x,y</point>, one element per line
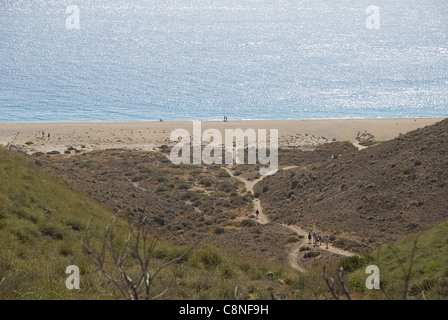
<point>146,60</point>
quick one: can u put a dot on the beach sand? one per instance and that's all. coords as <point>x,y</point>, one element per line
<point>87,136</point>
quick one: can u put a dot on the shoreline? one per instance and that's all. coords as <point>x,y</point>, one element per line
<point>215,120</point>
<point>150,135</point>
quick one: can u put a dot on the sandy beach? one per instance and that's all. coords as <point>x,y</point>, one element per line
<point>87,136</point>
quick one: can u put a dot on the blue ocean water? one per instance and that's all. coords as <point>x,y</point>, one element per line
<point>203,59</point>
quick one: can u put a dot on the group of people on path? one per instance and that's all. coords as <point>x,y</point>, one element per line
<point>312,236</point>
<point>317,240</point>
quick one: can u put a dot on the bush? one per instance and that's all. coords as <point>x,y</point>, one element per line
<point>247,223</point>
<point>52,231</point>
<point>219,230</point>
<point>66,250</point>
<point>161,189</point>
<point>138,177</point>
<point>311,254</point>
<point>209,258</point>
<point>223,174</point>
<point>74,224</point>
<point>292,239</point>
<point>184,186</point>
<point>352,263</point>
<point>159,220</point>
<point>206,182</point>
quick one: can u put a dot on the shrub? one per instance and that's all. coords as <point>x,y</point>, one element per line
<point>352,263</point>
<point>206,182</point>
<point>197,203</point>
<point>292,239</point>
<point>52,231</point>
<point>66,250</point>
<point>210,258</point>
<point>138,177</point>
<point>247,223</point>
<point>184,186</point>
<point>74,224</point>
<point>159,220</point>
<point>311,254</point>
<point>219,230</point>
<point>223,174</point>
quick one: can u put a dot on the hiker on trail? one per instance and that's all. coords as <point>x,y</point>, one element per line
<point>257,212</point>
<point>319,239</point>
<point>48,136</point>
<point>327,240</point>
<point>309,237</point>
<point>314,237</point>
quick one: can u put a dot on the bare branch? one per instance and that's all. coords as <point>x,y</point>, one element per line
<point>100,258</point>
<point>120,256</point>
<point>341,279</point>
<point>411,263</point>
<point>330,283</point>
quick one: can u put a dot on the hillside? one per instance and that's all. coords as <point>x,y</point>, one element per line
<point>367,198</point>
<point>42,223</point>
<point>42,218</point>
<point>414,267</point>
<point>186,203</point>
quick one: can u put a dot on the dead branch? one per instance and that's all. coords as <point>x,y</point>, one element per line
<point>330,283</point>
<point>132,289</point>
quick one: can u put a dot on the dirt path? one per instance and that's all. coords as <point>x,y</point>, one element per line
<point>263,219</point>
<point>331,248</point>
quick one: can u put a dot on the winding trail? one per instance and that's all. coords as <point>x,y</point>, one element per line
<point>263,219</point>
